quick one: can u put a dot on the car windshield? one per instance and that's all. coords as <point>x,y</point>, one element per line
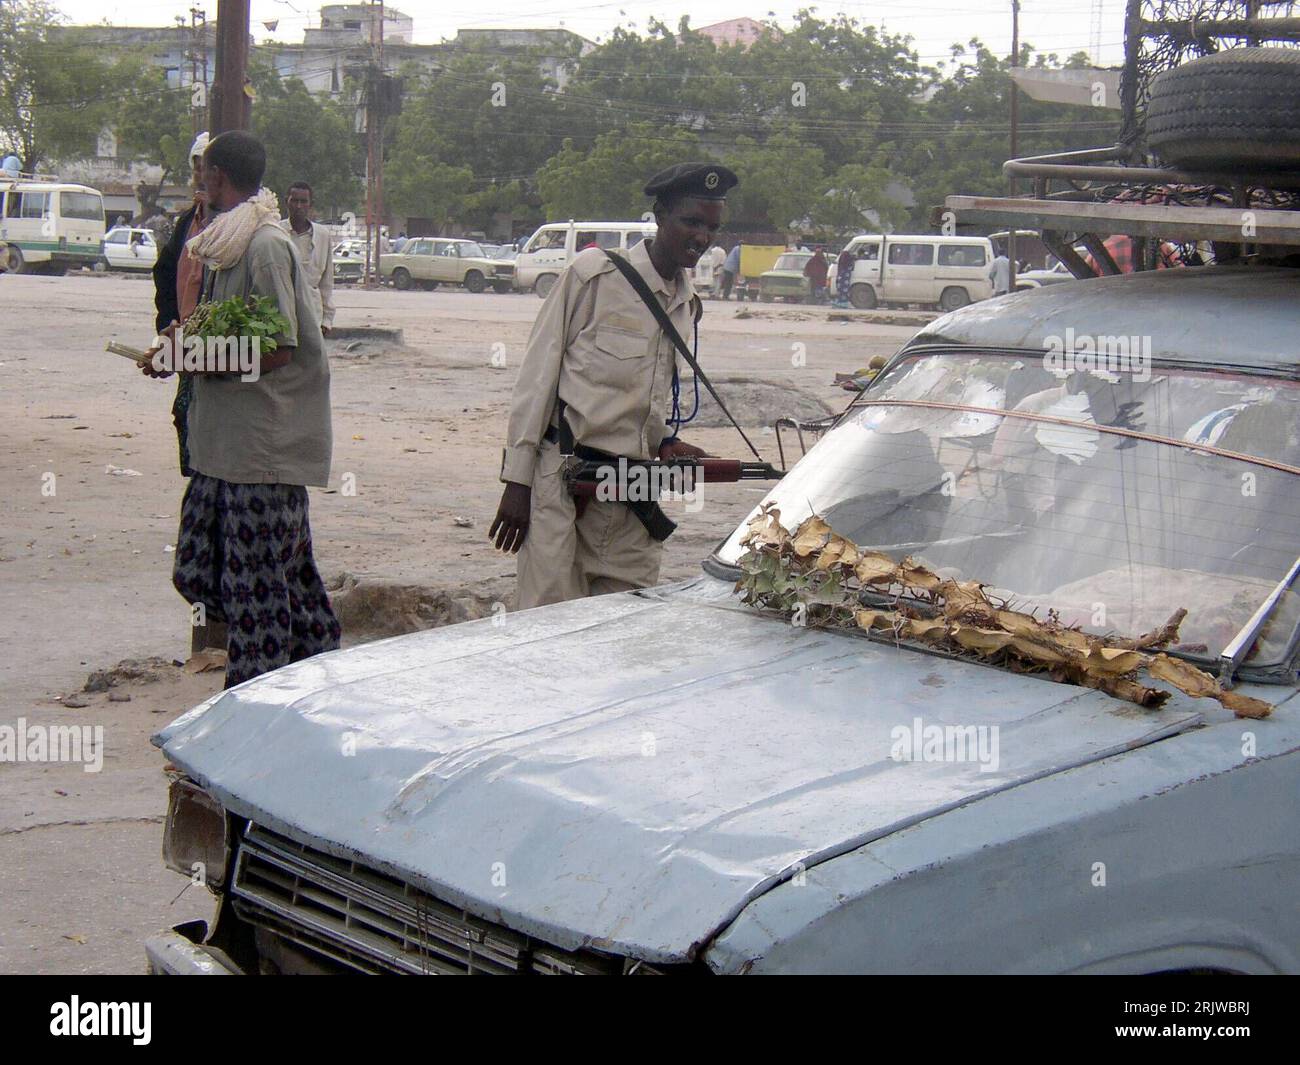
<point>1055,510</point>
<point>471,250</point>
<point>791,262</point>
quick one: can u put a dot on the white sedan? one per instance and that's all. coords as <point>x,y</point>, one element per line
<point>130,248</point>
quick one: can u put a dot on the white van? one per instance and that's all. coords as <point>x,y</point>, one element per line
<point>906,268</point>
<point>554,245</point>
<point>49,225</point>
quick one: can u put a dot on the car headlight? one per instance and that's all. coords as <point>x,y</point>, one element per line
<point>195,842</point>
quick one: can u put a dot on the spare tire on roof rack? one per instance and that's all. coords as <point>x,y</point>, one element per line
<point>1235,110</point>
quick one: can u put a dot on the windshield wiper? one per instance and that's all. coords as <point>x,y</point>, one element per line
<point>1239,646</point>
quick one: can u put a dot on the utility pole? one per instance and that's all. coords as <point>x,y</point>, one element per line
<point>375,142</point>
<point>1015,129</point>
<point>232,108</point>
<point>199,49</point>
<point>380,111</point>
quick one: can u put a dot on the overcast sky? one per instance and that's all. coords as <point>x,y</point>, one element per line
<point>1061,26</point>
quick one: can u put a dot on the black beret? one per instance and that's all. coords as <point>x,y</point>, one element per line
<point>707,181</point>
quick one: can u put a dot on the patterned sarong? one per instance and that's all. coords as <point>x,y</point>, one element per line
<point>244,552</point>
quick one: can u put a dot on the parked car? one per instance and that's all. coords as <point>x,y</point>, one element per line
<point>786,279</point>
<point>349,261</point>
<point>429,262</point>
<point>130,248</point>
<point>1052,275</point>
<point>948,272</point>
<point>667,780</point>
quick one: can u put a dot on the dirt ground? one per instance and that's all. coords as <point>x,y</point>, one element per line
<point>88,474</point>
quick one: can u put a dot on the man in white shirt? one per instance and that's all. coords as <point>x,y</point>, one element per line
<point>315,249</point>
<point>1000,274</point>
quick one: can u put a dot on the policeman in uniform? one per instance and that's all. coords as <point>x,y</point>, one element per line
<point>599,373</point>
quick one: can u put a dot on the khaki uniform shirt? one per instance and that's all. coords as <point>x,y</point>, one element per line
<point>317,254</point>
<point>596,345</point>
<point>275,430</point>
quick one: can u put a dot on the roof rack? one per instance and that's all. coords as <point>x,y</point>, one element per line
<point>7,177</point>
<point>1104,196</point>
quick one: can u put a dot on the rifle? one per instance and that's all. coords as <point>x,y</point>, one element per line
<point>643,480</point>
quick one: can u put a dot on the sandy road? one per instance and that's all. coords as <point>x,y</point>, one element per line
<point>85,566</point>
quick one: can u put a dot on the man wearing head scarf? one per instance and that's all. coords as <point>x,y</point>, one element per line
<point>176,280</point>
<point>599,378</point>
<point>256,441</point>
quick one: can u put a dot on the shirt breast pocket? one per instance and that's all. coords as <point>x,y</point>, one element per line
<point>621,343</point>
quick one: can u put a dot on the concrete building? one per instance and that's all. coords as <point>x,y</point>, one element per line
<point>736,31</point>
<point>341,23</point>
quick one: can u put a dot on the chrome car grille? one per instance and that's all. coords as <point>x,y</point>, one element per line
<point>369,921</point>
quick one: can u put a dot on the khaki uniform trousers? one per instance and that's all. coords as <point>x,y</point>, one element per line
<point>567,557</point>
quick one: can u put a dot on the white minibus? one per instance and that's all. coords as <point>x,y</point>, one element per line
<point>905,268</point>
<point>49,225</point>
<point>554,245</point>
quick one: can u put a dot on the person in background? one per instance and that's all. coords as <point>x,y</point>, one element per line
<point>815,270</point>
<point>843,277</point>
<point>161,226</point>
<point>702,277</point>
<point>400,242</point>
<point>176,279</point>
<point>1000,273</point>
<point>730,270</point>
<point>715,257</point>
<point>316,251</point>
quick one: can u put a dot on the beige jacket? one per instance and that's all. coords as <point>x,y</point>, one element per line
<point>598,347</point>
<point>318,266</point>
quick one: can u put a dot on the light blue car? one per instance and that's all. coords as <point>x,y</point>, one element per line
<point>672,781</point>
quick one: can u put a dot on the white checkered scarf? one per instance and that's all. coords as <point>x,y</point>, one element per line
<point>225,238</point>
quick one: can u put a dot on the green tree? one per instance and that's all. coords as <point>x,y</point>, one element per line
<point>154,124</point>
<point>965,135</point>
<point>835,84</point>
<point>56,90</point>
<point>417,184</point>
<point>852,194</point>
<point>307,139</point>
<point>780,181</point>
<point>606,180</point>
<point>470,139</point>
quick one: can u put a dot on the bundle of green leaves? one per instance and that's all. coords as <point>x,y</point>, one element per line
<point>258,317</point>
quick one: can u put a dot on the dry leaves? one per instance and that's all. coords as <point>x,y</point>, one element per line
<point>816,567</point>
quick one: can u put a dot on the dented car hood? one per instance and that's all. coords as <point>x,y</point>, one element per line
<point>627,772</point>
